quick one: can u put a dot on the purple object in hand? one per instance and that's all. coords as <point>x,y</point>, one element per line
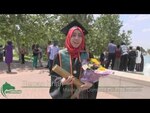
<point>94,75</point>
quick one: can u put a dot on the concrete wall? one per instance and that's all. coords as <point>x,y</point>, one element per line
<point>125,85</point>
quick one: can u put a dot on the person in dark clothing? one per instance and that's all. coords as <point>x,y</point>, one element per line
<point>1,53</point>
<point>131,59</point>
<point>102,58</point>
<point>142,63</point>
<point>9,55</point>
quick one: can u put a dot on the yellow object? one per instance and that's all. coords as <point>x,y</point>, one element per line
<point>101,68</point>
<point>95,61</point>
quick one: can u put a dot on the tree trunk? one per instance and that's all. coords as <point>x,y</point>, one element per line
<point>18,48</point>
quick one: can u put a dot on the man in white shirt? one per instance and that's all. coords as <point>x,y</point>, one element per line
<point>53,50</point>
<point>124,57</point>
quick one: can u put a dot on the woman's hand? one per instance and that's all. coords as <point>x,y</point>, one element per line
<point>67,81</point>
<point>85,86</point>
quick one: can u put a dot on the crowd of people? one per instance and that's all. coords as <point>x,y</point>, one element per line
<point>37,54</point>
<point>117,57</point>
<point>122,57</point>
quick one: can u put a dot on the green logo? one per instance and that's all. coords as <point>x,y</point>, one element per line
<point>8,88</point>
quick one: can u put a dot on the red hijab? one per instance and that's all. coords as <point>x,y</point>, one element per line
<point>74,51</point>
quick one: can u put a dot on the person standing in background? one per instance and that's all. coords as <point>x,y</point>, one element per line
<point>47,53</point>
<point>35,55</point>
<point>1,53</point>
<point>138,58</point>
<point>142,63</point>
<point>117,58</point>
<point>40,55</point>
<point>9,55</point>
<point>131,59</point>
<point>111,54</point>
<point>124,57</point>
<point>53,50</point>
<point>22,52</point>
<point>103,58</point>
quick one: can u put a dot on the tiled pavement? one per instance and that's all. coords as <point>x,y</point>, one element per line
<point>32,83</point>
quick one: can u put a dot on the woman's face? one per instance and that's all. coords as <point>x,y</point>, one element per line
<point>76,38</point>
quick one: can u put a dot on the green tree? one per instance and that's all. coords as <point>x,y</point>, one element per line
<point>125,37</point>
<point>39,28</point>
<point>106,28</point>
<point>28,29</point>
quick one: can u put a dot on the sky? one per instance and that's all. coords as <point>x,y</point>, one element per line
<point>139,24</point>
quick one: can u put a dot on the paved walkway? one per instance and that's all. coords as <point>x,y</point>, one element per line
<point>32,83</point>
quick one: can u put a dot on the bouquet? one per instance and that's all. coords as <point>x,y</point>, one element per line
<point>93,71</point>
